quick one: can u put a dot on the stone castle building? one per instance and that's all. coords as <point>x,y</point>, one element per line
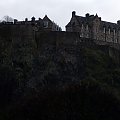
<point>91,26</point>
<point>44,24</point>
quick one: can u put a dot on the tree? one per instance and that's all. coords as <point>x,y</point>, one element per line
<point>7,19</point>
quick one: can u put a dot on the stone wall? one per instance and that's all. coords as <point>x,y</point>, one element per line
<point>20,43</point>
<point>93,27</point>
<point>71,41</point>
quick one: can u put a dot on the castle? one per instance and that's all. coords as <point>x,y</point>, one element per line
<point>91,26</point>
<point>44,24</point>
<point>21,39</point>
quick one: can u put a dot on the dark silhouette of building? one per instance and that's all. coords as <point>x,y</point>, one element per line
<point>44,24</point>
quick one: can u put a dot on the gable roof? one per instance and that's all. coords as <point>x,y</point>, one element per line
<point>83,20</point>
<point>47,19</point>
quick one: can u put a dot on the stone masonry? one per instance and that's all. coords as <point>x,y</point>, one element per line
<point>91,26</point>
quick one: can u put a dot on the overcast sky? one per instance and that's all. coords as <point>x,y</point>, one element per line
<point>60,10</point>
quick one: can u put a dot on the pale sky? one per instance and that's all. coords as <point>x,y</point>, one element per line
<point>60,10</point>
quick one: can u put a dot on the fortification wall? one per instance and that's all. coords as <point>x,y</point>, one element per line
<point>25,41</point>
<point>71,41</point>
<point>110,44</point>
<point>70,38</point>
<point>62,38</point>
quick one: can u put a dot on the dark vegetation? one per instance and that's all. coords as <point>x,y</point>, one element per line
<point>78,85</point>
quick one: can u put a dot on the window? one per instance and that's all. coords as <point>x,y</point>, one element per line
<point>87,27</point>
<point>46,24</point>
<point>104,30</point>
<point>109,31</point>
<point>81,35</point>
<point>87,35</point>
<point>117,40</point>
<point>114,32</point>
<point>82,27</point>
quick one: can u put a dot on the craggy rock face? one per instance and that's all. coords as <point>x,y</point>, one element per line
<point>36,57</point>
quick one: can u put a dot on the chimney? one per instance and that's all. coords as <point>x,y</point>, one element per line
<point>39,19</point>
<point>33,19</point>
<point>15,21</point>
<point>87,15</point>
<point>118,22</point>
<point>73,14</point>
<point>26,19</point>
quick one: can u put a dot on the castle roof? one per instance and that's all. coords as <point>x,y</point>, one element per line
<point>47,19</point>
<point>88,19</point>
<point>83,20</point>
<point>108,25</point>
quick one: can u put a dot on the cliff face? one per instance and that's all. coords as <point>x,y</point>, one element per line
<point>54,75</point>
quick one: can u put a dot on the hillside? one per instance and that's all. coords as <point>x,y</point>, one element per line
<point>48,80</point>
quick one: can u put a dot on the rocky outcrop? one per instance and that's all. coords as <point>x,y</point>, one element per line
<point>56,75</point>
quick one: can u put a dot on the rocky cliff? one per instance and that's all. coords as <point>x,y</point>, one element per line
<point>54,75</point>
